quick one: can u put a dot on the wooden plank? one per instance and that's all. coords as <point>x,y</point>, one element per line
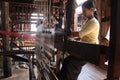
<point>88,52</point>
<point>16,52</point>
<point>114,59</point>
<point>20,1</point>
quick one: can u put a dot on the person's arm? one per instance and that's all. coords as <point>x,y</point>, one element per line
<point>74,36</point>
<point>88,29</point>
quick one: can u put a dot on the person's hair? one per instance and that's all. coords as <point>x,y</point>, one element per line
<point>88,4</point>
<point>96,14</point>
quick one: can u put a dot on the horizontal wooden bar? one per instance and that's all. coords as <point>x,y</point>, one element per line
<point>16,52</point>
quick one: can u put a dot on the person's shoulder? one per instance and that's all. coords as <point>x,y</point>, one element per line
<point>93,23</point>
<point>94,20</point>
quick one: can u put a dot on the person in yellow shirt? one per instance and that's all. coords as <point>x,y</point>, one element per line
<point>71,65</point>
<point>90,31</point>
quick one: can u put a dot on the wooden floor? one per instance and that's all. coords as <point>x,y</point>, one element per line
<point>19,74</point>
<point>88,72</point>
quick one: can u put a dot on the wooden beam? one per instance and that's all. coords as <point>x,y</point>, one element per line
<point>20,1</point>
<point>114,56</point>
<point>70,10</point>
<point>5,26</point>
<point>85,51</point>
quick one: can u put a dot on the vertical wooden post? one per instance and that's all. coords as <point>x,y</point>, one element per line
<point>5,26</point>
<point>70,9</point>
<point>0,13</point>
<point>98,7</point>
<point>60,13</point>
<point>114,56</point>
<point>1,58</point>
<point>99,10</point>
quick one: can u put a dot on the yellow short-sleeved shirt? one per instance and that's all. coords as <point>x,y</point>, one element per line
<point>90,31</point>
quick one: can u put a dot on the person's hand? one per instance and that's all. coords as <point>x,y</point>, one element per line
<point>77,38</point>
<point>70,38</point>
<point>73,38</point>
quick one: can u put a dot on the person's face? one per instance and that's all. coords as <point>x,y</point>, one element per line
<point>87,12</point>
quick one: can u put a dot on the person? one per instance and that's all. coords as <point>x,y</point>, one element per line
<point>72,65</point>
<point>90,31</point>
